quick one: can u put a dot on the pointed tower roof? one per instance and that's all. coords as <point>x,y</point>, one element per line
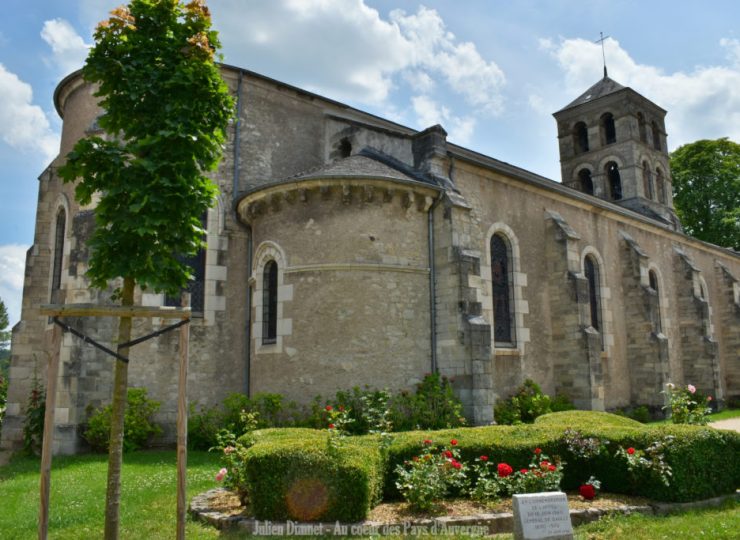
<point>602,88</point>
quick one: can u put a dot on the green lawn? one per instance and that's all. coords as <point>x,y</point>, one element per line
<point>148,503</point>
<point>148,495</point>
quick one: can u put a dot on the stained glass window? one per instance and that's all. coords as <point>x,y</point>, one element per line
<point>592,276</point>
<point>269,303</point>
<point>56,272</point>
<point>503,301</point>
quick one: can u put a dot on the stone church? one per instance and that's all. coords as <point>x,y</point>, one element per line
<point>345,249</point>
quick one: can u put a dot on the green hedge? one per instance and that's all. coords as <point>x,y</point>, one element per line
<point>291,476</point>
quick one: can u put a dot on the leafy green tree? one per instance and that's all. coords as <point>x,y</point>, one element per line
<point>166,109</point>
<point>4,322</point>
<point>706,190</point>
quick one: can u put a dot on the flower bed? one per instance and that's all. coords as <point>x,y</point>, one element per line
<point>311,475</point>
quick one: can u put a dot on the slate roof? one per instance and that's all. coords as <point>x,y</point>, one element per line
<point>366,164</point>
<point>602,88</point>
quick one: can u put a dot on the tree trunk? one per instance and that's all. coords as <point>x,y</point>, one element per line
<point>115,451</point>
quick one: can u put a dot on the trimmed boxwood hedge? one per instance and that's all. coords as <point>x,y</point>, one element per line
<point>705,462</point>
<point>291,476</point>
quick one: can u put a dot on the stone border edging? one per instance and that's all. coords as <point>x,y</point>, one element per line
<point>493,523</point>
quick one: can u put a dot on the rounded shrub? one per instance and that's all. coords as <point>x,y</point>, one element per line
<point>138,425</point>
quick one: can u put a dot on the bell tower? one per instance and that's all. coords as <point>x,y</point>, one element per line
<point>613,146</point>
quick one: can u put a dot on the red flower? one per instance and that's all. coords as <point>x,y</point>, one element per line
<point>504,470</point>
<point>328,407</point>
<point>544,464</point>
<point>455,464</point>
<point>538,451</point>
<point>552,468</point>
<point>427,442</point>
<point>453,442</point>
<point>523,471</point>
<point>447,454</point>
<point>415,458</point>
<point>484,458</point>
<point>587,491</point>
<point>630,450</point>
<point>331,426</point>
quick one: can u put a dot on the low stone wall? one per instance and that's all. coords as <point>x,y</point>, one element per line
<point>479,524</point>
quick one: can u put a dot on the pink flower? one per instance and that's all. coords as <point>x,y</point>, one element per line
<point>453,442</point>
<point>229,450</point>
<point>691,388</point>
<point>630,450</point>
<point>221,474</point>
<point>709,398</point>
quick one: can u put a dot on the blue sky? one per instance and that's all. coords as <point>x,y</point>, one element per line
<point>491,72</point>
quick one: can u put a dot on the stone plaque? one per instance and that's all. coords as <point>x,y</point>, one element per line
<point>542,516</point>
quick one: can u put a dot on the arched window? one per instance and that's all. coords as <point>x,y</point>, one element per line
<point>615,180</point>
<point>502,288</point>
<point>269,303</point>
<point>653,279</point>
<point>661,185</point>
<point>656,136</point>
<point>580,138</point>
<point>591,270</point>
<point>647,177</point>
<point>345,148</point>
<point>197,286</point>
<point>587,184</point>
<point>609,129</point>
<point>642,127</point>
<point>56,269</point>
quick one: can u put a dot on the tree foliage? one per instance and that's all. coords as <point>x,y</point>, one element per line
<point>4,322</point>
<point>706,190</point>
<point>166,109</point>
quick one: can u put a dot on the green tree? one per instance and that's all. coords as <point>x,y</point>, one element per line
<point>706,190</point>
<point>4,322</point>
<point>166,109</point>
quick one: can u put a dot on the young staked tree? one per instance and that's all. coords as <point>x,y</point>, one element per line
<point>166,109</point>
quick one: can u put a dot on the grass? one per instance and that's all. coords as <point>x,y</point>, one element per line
<point>148,503</point>
<point>148,495</point>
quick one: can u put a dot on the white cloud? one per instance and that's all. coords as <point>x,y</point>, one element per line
<point>345,49</point>
<point>12,264</point>
<point>25,126</point>
<point>703,103</point>
<point>68,48</point>
<point>429,112</point>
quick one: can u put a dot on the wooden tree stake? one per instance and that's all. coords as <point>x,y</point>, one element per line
<point>182,425</point>
<point>52,373</point>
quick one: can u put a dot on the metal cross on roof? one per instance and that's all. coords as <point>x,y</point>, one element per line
<point>603,54</point>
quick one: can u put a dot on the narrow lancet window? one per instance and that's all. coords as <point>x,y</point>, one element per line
<point>56,270</point>
<point>587,184</point>
<point>502,288</point>
<point>615,180</point>
<point>591,271</point>
<point>269,303</point>
<point>653,279</point>
<point>197,285</point>
<point>648,178</point>
<point>580,136</point>
<point>610,130</point>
